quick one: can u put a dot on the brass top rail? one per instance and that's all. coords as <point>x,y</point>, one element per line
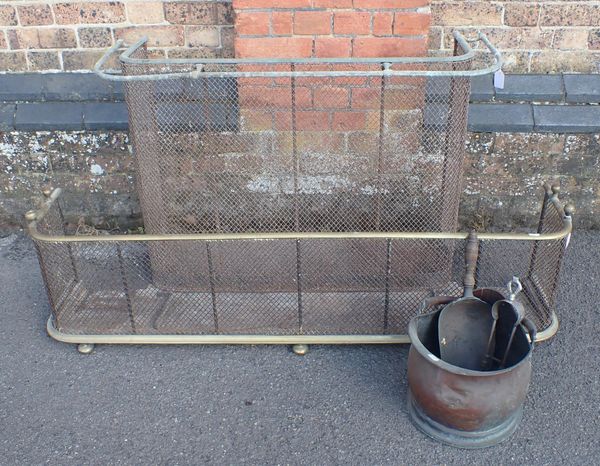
<point>33,216</point>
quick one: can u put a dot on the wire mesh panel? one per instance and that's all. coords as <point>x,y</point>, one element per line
<point>305,153</point>
<point>303,285</point>
<point>307,146</point>
<point>290,198</point>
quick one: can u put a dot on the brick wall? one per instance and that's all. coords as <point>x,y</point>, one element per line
<point>546,36</point>
<point>72,35</point>
<point>331,28</point>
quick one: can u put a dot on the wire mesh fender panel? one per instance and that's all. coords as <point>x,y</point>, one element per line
<point>280,287</point>
<point>299,145</point>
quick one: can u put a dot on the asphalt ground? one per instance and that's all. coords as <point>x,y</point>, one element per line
<point>263,404</point>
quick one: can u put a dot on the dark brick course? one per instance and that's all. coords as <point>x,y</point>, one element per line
<point>528,87</point>
<point>500,117</point>
<point>49,116</point>
<point>105,116</point>
<point>582,88</point>
<point>567,119</point>
<point>7,116</point>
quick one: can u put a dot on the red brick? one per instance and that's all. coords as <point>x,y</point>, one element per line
<point>312,22</point>
<point>254,81</point>
<point>3,43</point>
<point>303,97</point>
<point>384,4</point>
<point>353,80</point>
<point>382,24</point>
<point>351,22</point>
<point>248,4</point>
<point>388,47</point>
<point>331,97</point>
<point>367,97</point>
<point>273,97</point>
<point>409,23</point>
<point>311,82</point>
<point>332,3</point>
<point>332,47</point>
<point>404,99</point>
<point>348,121</point>
<point>89,12</point>
<point>256,120</point>
<point>281,22</point>
<point>312,121</point>
<point>35,15</point>
<point>305,121</point>
<point>252,23</point>
<point>282,121</point>
<point>273,47</point>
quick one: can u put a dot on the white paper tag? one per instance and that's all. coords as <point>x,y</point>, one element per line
<point>499,79</point>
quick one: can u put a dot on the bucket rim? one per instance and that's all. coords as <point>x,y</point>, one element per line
<point>433,359</point>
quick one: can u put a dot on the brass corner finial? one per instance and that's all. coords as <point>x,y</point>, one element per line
<point>569,210</point>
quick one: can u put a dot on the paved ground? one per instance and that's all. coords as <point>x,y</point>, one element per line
<point>264,405</point>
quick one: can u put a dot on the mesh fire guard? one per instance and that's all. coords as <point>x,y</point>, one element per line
<point>289,201</point>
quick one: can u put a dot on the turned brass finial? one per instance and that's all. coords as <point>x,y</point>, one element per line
<point>569,210</point>
<point>47,191</point>
<point>30,215</point>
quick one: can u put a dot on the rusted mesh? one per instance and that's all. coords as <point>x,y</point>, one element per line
<point>329,153</point>
<point>302,153</point>
<point>279,286</point>
<point>240,152</point>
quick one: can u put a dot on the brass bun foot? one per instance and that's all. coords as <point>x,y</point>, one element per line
<point>300,350</point>
<point>85,348</point>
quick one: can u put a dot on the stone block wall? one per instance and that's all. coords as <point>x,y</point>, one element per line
<point>39,36</point>
<point>544,36</point>
<point>503,176</point>
<point>535,36</point>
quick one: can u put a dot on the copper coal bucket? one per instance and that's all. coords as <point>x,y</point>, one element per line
<point>462,407</point>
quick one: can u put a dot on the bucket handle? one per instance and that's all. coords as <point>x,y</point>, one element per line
<point>529,326</point>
